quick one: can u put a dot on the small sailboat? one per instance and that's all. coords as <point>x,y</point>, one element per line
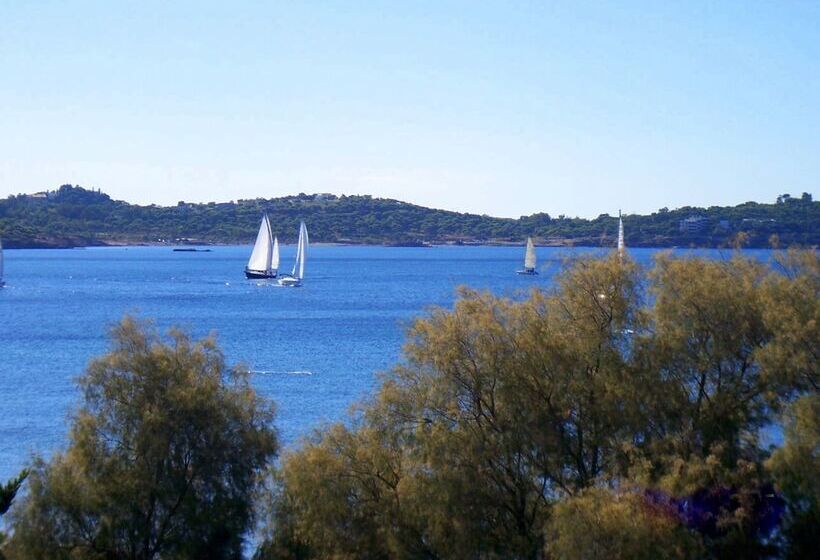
<point>621,245</point>
<point>264,261</point>
<point>529,259</point>
<point>294,279</point>
<point>2,283</point>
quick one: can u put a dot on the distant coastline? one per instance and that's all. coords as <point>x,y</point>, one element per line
<point>210,247</point>
<point>70,217</point>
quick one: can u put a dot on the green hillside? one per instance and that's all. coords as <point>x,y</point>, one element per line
<point>72,216</point>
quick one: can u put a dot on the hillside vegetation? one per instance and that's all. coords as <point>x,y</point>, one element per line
<point>74,216</point>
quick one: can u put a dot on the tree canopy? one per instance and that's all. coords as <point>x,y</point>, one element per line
<point>618,416</point>
<point>163,460</point>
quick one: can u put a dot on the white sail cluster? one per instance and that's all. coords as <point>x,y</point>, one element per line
<point>264,259</point>
<point>298,272</point>
<point>621,245</point>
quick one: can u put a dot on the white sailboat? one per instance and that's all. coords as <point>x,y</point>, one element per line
<point>264,261</point>
<point>529,259</point>
<point>2,283</point>
<point>298,273</point>
<point>621,245</point>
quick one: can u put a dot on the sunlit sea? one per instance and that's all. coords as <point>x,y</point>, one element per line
<point>315,350</point>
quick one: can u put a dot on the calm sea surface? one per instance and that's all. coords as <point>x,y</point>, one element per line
<point>315,349</point>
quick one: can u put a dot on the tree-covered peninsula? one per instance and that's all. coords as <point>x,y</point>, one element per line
<point>74,216</point>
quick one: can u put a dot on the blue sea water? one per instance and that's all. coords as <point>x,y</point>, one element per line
<point>315,349</point>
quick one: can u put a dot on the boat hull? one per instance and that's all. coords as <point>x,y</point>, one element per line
<point>259,275</point>
<point>290,281</point>
<point>527,272</point>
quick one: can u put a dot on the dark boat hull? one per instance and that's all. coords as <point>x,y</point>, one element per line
<point>527,272</point>
<point>259,275</point>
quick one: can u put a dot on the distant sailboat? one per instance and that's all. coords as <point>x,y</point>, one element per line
<point>621,245</point>
<point>264,261</point>
<point>295,278</point>
<point>529,259</point>
<point>2,283</point>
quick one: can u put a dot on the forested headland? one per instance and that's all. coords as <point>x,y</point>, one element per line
<point>73,216</point>
<point>618,415</point>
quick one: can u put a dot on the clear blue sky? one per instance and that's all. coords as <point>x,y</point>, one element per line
<point>504,108</point>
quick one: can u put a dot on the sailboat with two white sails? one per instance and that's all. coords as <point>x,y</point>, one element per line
<point>294,279</point>
<point>264,261</point>
<point>529,260</point>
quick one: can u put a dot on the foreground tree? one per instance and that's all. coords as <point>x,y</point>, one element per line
<point>8,492</point>
<point>622,526</point>
<point>618,412</point>
<point>796,468</point>
<point>163,460</point>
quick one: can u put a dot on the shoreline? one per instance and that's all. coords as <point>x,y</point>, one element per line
<point>174,246</point>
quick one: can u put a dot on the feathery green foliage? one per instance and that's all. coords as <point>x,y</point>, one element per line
<point>796,469</point>
<point>600,523</point>
<point>163,460</point>
<point>8,492</point>
<point>616,416</point>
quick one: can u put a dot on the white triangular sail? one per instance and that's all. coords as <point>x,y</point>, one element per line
<point>274,261</point>
<point>529,256</point>
<point>621,245</point>
<point>301,252</point>
<point>298,254</point>
<point>260,260</point>
<point>303,230</point>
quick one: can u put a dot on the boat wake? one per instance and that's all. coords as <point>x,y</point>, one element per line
<point>281,372</point>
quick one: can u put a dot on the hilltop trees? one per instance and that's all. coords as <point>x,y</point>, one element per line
<point>163,460</point>
<point>77,216</point>
<point>616,417</point>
